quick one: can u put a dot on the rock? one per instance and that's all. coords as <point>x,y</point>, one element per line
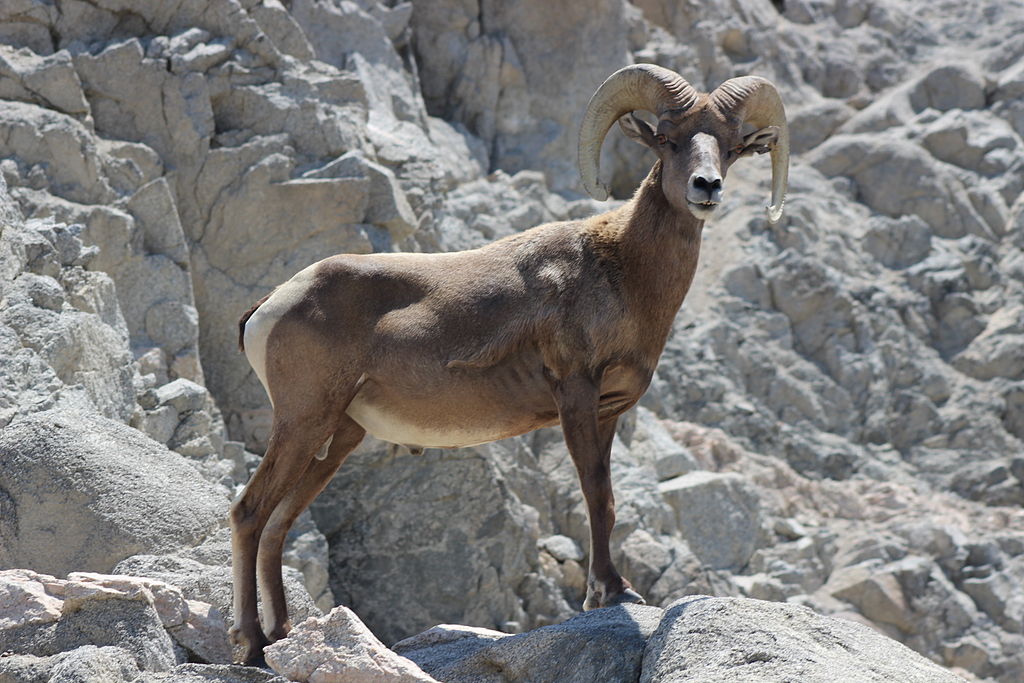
<point>61,326</point>
<point>211,584</point>
<point>956,86</point>
<point>878,167</point>
<point>40,614</point>
<point>562,548</point>
<point>435,503</point>
<point>898,243</point>
<point>650,443</point>
<point>975,140</point>
<point>601,645</point>
<point>85,663</point>
<point>166,599</point>
<point>702,638</point>
<point>48,80</point>
<point>28,599</point>
<point>203,634</point>
<point>114,491</point>
<point>338,647</point>
<point>211,673</point>
<point>877,595</point>
<point>814,124</point>
<point>386,205</point>
<point>496,76</point>
<point>718,516</point>
<point>182,395</point>
<point>128,624</point>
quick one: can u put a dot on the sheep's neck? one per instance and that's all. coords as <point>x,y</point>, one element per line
<point>658,248</point>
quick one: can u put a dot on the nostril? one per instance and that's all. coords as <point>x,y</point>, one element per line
<point>709,186</point>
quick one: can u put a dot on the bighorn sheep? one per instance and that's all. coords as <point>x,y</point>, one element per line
<point>563,323</point>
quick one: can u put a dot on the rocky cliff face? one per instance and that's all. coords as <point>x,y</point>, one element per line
<point>837,420</point>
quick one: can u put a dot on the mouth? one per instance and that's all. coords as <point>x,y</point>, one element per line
<point>701,210</point>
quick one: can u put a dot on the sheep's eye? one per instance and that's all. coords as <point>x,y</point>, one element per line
<point>662,139</point>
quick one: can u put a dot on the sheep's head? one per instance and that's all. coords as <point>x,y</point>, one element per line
<point>698,135</point>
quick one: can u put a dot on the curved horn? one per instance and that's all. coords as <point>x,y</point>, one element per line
<point>757,102</point>
<point>640,86</point>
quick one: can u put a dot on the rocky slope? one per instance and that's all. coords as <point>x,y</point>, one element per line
<point>836,422</point>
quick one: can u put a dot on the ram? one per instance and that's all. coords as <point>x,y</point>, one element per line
<point>560,324</point>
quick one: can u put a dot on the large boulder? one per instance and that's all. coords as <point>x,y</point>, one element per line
<point>727,639</point>
<point>442,531</point>
<point>495,67</point>
<point>82,492</point>
<point>210,581</point>
<point>602,645</point>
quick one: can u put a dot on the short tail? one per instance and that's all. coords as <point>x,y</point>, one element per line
<point>245,318</point>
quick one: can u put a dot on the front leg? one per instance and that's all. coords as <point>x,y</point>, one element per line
<point>590,445</point>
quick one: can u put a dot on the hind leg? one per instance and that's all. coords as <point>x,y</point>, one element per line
<point>275,609</point>
<point>289,454</point>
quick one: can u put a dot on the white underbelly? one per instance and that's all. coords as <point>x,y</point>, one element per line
<point>386,426</point>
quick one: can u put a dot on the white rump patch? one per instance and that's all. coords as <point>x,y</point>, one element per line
<point>260,324</point>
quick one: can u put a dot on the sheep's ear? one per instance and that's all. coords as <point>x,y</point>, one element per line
<point>760,141</point>
<point>638,130</point>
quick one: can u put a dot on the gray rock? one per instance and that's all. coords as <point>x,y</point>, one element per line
<point>562,548</point>
<point>103,492</point>
<point>879,166</point>
<point>814,124</point>
<point>718,515</point>
<point>898,243</point>
<point>203,634</point>
<point>211,673</point>
<point>601,645</point>
<point>496,75</point>
<point>129,625</point>
<point>212,583</point>
<point>956,86</point>
<point>453,541</point>
<point>702,638</point>
<point>339,647</point>
<point>85,664</point>
<point>182,395</point>
<point>650,443</point>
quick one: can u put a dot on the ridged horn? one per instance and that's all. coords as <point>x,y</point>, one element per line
<point>640,86</point>
<point>756,101</point>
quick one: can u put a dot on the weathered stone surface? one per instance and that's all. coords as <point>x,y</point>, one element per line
<point>338,647</point>
<point>871,337</point>
<point>166,599</point>
<point>727,639</point>
<point>115,491</point>
<point>129,624</point>
<point>212,673</point>
<point>717,515</point>
<point>453,542</point>
<point>85,663</point>
<point>601,645</point>
<point>489,66</point>
<point>27,598</point>
<point>203,634</point>
<point>210,581</point>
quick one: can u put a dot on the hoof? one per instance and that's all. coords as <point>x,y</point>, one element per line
<point>279,632</point>
<point>251,647</point>
<point>626,595</point>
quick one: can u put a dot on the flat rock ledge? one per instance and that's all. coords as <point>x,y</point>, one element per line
<point>697,638</point>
